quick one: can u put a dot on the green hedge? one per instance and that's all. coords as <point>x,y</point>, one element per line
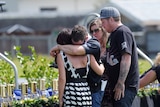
<point>31,67</point>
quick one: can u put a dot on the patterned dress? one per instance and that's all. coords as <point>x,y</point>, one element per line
<point>77,92</point>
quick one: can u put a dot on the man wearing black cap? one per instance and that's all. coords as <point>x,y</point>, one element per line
<point>121,61</point>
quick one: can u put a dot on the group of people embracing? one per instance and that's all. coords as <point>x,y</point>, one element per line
<point>97,67</point>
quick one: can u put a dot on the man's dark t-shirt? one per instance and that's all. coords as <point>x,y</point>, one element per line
<point>121,41</point>
<point>92,46</point>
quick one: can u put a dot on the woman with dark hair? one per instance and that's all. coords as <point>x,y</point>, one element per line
<point>63,38</point>
<point>73,88</point>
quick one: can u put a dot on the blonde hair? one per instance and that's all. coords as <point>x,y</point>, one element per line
<point>105,34</point>
<point>157,59</point>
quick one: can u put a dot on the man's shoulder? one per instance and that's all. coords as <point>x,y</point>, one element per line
<point>93,43</point>
<point>92,46</point>
<point>93,40</point>
<point>124,28</point>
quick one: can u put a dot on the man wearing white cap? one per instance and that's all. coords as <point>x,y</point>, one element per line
<point>121,61</point>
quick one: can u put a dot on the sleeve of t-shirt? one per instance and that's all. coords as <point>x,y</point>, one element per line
<point>125,42</point>
<point>157,70</point>
<point>92,46</point>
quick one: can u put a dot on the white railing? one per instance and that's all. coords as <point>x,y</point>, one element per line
<point>14,67</point>
<point>144,56</point>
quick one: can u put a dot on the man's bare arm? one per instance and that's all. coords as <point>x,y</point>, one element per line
<point>69,49</point>
<point>54,51</point>
<point>72,49</point>
<point>124,69</point>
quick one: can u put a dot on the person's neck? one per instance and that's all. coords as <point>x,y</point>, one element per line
<point>116,26</point>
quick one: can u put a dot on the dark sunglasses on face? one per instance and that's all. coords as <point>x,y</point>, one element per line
<point>95,30</point>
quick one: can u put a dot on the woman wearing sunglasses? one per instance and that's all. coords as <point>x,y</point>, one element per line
<point>96,30</point>
<point>100,33</point>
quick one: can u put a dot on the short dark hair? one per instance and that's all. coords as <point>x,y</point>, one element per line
<point>78,33</point>
<point>64,37</point>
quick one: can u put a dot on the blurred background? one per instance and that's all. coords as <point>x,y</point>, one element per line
<point>37,22</point>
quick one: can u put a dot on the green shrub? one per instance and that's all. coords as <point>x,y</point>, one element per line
<point>33,67</point>
<point>6,73</point>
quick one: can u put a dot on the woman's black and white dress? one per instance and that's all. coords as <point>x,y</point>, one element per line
<point>77,92</point>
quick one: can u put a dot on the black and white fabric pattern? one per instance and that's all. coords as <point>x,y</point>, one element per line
<point>77,92</point>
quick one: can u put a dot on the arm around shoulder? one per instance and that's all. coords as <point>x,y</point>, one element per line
<point>73,49</point>
<point>54,51</point>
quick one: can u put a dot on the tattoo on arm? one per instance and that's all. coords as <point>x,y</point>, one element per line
<point>124,67</point>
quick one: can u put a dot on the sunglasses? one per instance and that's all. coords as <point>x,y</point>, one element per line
<point>95,30</point>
